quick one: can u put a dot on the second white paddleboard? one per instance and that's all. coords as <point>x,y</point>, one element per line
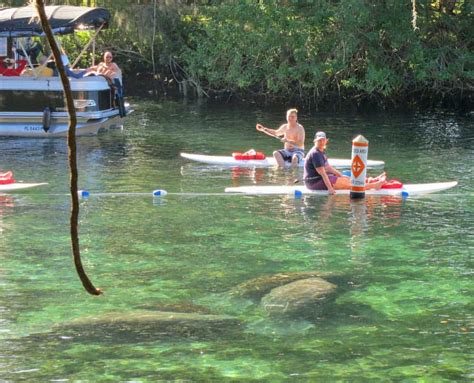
<point>268,162</point>
<point>19,186</point>
<point>409,189</point>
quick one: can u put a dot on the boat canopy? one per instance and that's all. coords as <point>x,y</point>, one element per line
<point>64,19</point>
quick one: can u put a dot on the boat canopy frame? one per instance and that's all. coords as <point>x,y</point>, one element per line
<point>64,19</point>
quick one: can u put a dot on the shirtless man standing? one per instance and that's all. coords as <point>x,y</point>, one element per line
<point>292,134</point>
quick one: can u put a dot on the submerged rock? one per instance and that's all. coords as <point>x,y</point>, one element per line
<point>305,296</point>
<point>258,287</point>
<point>148,326</point>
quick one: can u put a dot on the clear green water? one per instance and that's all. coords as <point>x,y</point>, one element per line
<point>404,310</point>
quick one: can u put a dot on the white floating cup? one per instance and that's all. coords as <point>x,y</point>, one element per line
<point>159,193</point>
<point>83,194</point>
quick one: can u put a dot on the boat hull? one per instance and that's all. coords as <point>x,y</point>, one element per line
<point>35,107</point>
<point>268,162</point>
<point>31,124</point>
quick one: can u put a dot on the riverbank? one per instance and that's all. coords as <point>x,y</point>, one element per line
<point>160,87</point>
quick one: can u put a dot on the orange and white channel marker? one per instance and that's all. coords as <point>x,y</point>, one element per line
<point>360,150</point>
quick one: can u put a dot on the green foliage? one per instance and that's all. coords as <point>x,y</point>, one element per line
<point>312,51</point>
<point>316,51</point>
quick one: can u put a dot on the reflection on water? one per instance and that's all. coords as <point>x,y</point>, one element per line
<point>435,133</point>
<point>255,175</point>
<point>6,202</point>
<point>6,207</point>
<point>386,209</point>
<point>358,220</point>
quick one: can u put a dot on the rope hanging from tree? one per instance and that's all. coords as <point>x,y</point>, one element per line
<point>72,158</point>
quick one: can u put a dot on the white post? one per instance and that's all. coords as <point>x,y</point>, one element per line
<point>360,149</point>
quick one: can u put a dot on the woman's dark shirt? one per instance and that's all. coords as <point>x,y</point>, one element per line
<point>314,159</point>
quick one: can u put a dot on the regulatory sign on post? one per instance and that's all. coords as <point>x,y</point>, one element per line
<point>360,149</point>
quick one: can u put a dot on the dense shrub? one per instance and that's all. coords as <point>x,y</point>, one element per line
<point>314,52</point>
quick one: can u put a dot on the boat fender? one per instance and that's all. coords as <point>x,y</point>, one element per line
<point>46,119</point>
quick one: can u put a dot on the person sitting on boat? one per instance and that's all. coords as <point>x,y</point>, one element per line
<point>67,67</point>
<point>319,175</point>
<point>41,71</point>
<point>293,135</point>
<point>32,49</point>
<point>108,69</point>
<point>113,73</point>
<point>9,67</point>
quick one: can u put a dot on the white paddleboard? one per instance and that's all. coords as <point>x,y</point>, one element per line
<point>407,190</point>
<point>268,162</point>
<point>19,186</point>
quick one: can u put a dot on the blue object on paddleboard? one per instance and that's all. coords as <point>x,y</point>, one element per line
<point>405,194</point>
<point>84,194</point>
<point>346,173</point>
<point>159,193</point>
<point>298,194</point>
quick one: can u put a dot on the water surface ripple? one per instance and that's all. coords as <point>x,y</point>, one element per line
<point>403,310</point>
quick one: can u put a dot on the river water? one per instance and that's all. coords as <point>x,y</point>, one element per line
<point>403,310</point>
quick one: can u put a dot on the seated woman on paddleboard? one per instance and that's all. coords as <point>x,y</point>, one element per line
<point>292,134</point>
<point>319,175</point>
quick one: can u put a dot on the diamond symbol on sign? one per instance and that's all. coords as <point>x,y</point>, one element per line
<point>357,166</point>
